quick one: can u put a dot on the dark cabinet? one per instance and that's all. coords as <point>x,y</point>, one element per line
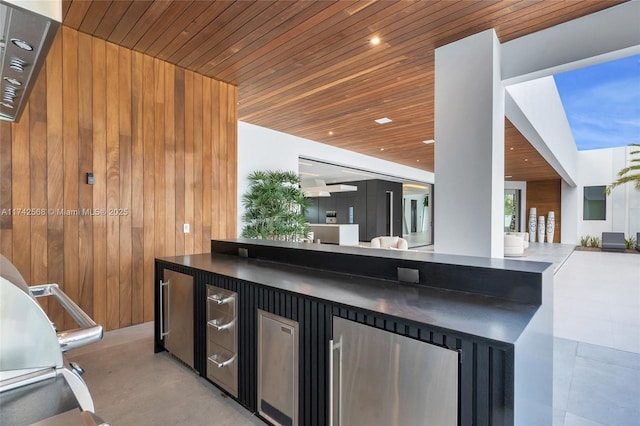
<point>485,368</point>
<point>312,212</point>
<point>376,207</point>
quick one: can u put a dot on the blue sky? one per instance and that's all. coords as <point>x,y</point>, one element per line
<point>602,103</point>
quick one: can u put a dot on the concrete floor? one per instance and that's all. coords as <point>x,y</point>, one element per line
<point>596,356</point>
<point>131,385</point>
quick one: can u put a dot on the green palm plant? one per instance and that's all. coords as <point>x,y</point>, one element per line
<point>274,206</point>
<point>630,173</point>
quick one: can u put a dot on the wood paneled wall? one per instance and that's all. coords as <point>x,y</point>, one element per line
<point>161,143</point>
<point>546,196</point>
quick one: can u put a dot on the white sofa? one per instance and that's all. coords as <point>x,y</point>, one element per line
<point>397,243</point>
<point>515,243</point>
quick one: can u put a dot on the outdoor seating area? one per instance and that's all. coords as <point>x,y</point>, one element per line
<point>397,243</point>
<point>515,243</point>
<point>613,241</point>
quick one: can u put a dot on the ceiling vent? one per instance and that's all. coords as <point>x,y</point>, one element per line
<point>27,30</point>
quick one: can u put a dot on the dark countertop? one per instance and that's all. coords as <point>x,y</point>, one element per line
<point>407,255</point>
<point>486,317</point>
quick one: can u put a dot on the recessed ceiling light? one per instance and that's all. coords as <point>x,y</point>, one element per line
<point>330,133</point>
<point>511,149</point>
<point>375,41</point>
<point>13,81</point>
<point>428,141</point>
<point>508,177</point>
<point>383,120</point>
<point>418,161</point>
<point>381,149</point>
<point>22,44</point>
<point>526,159</point>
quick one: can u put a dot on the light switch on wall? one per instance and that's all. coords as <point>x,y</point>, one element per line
<point>185,228</point>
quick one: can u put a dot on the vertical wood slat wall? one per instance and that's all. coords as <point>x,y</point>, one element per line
<point>546,196</point>
<point>161,142</point>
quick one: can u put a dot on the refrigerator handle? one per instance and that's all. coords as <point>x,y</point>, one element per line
<point>333,404</point>
<point>162,285</point>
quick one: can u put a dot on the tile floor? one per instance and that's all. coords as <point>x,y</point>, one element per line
<point>597,340</point>
<point>596,356</point>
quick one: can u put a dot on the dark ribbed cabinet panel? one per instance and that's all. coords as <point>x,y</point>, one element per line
<point>485,373</point>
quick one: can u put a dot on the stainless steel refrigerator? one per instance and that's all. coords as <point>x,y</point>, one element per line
<point>176,315</point>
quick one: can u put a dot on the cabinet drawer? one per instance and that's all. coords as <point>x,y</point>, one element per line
<point>222,332</point>
<point>221,304</point>
<point>219,293</point>
<point>222,368</point>
<point>225,312</point>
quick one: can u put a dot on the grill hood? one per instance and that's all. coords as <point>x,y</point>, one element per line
<point>27,30</point>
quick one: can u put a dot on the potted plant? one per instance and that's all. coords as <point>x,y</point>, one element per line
<point>274,207</point>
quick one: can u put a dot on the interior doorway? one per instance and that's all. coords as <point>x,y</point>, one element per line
<point>512,208</point>
<point>417,218</point>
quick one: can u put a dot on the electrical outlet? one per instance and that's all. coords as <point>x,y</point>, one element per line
<point>408,275</point>
<point>185,228</point>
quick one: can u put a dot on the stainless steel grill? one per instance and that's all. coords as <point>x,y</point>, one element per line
<point>37,384</point>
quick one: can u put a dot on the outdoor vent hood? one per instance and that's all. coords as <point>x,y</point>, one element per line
<point>27,30</point>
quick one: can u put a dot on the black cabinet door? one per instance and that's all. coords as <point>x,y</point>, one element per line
<point>311,212</point>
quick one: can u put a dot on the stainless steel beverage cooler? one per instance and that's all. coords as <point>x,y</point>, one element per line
<point>278,369</point>
<point>37,384</point>
<point>381,378</point>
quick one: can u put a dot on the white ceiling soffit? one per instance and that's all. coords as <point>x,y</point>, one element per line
<point>326,190</point>
<point>27,30</point>
<point>535,109</point>
<point>612,33</point>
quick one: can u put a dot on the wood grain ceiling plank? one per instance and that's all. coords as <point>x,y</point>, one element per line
<point>74,11</point>
<point>373,91</point>
<point>246,102</point>
<point>135,12</point>
<point>192,36</point>
<point>299,51</point>
<point>111,18</point>
<point>352,40</point>
<point>228,37</point>
<point>261,50</point>
<point>94,15</point>
<point>146,22</point>
<point>378,86</point>
<point>409,109</point>
<point>66,4</point>
<point>241,44</point>
<point>333,20</point>
<point>163,24</point>
<point>179,25</point>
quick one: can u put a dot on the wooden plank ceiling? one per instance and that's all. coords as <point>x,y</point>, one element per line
<point>308,68</point>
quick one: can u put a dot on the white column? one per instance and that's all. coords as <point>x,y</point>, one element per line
<point>469,149</point>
